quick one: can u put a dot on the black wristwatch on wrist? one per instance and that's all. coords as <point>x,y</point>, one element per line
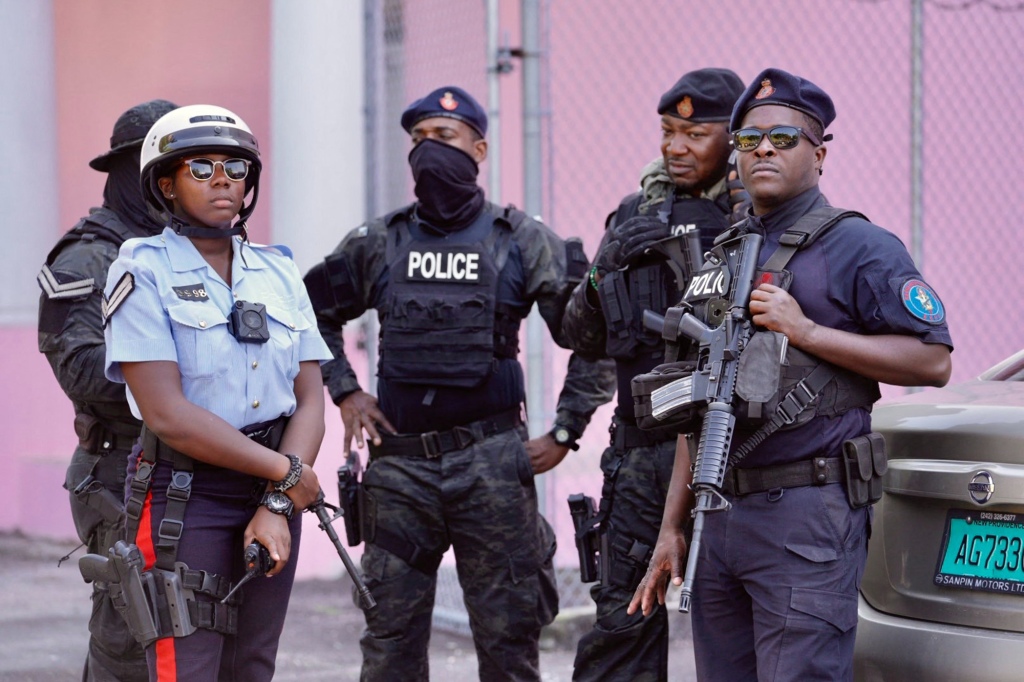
<point>565,437</point>
<point>278,503</point>
<point>293,475</point>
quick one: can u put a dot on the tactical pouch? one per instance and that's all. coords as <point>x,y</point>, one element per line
<point>663,398</point>
<point>626,562</point>
<point>618,315</point>
<point>865,463</point>
<point>768,369</point>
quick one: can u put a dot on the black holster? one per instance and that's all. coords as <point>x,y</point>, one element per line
<point>585,521</point>
<point>350,497</point>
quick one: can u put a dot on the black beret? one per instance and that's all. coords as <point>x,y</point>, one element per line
<point>130,129</point>
<point>775,86</point>
<point>449,102</point>
<point>702,96</point>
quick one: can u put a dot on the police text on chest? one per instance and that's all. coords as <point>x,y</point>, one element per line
<point>443,265</point>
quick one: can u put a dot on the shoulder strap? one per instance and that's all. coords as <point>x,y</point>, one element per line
<point>805,231</point>
<point>397,224</point>
<point>101,223</point>
<point>510,215</point>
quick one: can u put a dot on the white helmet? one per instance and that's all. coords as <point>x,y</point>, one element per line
<point>190,130</point>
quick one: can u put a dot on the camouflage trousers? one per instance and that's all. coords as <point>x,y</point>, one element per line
<point>114,655</point>
<point>480,501</point>
<point>621,647</point>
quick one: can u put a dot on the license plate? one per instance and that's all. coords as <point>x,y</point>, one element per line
<point>982,551</point>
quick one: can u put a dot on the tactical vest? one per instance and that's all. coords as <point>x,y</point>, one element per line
<point>101,223</point>
<point>95,425</point>
<point>655,281</point>
<point>769,369</point>
<point>441,324</point>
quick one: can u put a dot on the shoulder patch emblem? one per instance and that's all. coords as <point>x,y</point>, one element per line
<point>919,299</point>
<point>118,295</point>
<point>55,289</point>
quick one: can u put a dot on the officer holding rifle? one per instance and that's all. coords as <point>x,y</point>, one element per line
<point>774,590</point>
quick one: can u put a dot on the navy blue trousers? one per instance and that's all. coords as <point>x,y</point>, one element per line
<point>221,505</point>
<point>775,595</point>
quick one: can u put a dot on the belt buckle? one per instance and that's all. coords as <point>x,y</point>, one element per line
<point>463,437</point>
<point>431,442</point>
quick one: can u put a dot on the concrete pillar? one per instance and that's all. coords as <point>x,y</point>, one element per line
<point>29,191</point>
<point>316,112</point>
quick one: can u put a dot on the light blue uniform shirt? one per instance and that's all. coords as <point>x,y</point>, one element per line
<point>175,307</point>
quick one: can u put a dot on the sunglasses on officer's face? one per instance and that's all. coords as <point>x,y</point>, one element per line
<point>781,137</point>
<point>202,169</point>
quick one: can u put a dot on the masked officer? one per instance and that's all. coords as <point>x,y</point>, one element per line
<point>217,343</point>
<point>777,576</point>
<point>71,336</point>
<point>685,192</point>
<point>451,277</point>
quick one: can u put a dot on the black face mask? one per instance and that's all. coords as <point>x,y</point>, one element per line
<point>123,194</point>
<point>446,186</point>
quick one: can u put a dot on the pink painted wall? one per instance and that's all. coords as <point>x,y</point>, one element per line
<point>109,56</point>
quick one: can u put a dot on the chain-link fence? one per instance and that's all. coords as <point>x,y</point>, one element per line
<point>924,89</point>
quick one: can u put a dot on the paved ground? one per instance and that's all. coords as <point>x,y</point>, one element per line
<point>44,610</point>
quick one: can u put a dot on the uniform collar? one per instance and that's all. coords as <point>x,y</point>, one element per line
<point>184,256</point>
<point>789,212</point>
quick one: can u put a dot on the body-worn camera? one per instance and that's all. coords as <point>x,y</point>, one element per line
<point>248,322</point>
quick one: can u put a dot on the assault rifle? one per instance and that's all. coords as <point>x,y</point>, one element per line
<point>714,382</point>
<point>320,507</point>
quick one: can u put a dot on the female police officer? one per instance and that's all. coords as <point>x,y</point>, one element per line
<point>216,340</point>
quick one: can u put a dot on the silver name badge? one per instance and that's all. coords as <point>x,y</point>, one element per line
<point>443,265</point>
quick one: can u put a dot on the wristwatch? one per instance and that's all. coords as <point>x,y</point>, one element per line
<point>565,437</point>
<point>279,503</point>
<point>293,475</point>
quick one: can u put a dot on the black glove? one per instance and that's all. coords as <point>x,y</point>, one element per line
<point>636,235</point>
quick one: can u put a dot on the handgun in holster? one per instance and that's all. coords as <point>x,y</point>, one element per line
<point>121,570</point>
<point>588,535</point>
<point>350,496</point>
<point>153,603</point>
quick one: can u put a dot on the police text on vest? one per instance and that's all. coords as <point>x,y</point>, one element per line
<point>443,265</point>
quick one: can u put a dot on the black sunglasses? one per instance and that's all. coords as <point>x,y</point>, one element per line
<point>202,169</point>
<point>781,137</point>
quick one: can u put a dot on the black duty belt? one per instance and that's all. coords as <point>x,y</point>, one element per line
<point>626,436</point>
<point>267,434</point>
<point>816,471</point>
<point>436,443</point>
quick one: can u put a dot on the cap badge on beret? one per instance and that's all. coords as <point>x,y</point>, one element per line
<point>448,102</point>
<point>766,89</point>
<point>685,107</point>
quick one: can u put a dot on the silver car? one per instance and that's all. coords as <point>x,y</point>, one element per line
<point>943,593</point>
